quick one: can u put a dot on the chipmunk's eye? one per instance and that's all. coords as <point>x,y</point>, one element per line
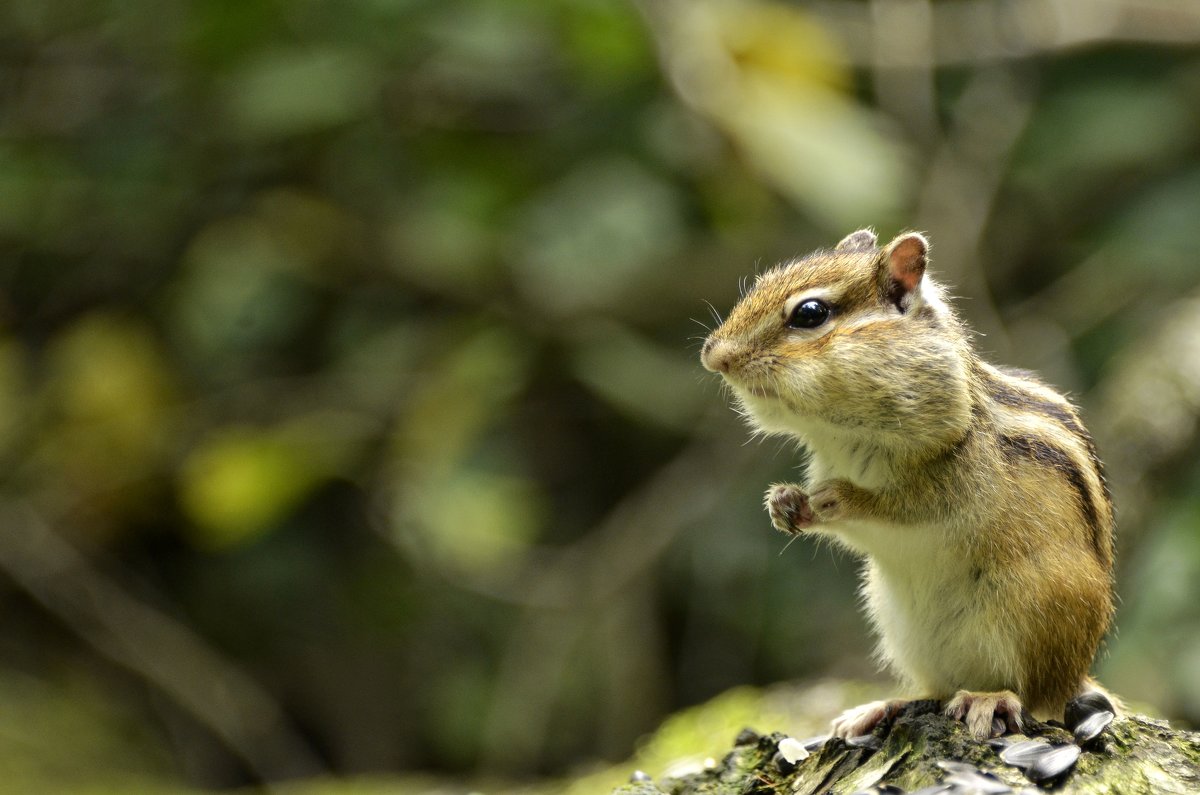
<point>809,314</point>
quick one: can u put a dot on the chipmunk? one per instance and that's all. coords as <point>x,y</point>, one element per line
<point>973,492</point>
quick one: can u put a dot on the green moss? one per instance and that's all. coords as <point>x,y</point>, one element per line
<point>1137,755</point>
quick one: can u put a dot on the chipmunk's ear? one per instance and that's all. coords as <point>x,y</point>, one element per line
<point>862,240</point>
<point>901,268</point>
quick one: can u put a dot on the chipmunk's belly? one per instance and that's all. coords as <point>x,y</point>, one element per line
<point>940,627</point>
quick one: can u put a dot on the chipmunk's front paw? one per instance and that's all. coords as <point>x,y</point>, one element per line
<point>789,508</point>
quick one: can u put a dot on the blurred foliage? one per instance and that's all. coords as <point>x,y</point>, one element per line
<point>348,380</point>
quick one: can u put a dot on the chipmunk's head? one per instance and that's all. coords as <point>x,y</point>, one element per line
<point>858,337</point>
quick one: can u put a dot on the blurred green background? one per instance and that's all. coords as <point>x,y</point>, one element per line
<point>350,412</point>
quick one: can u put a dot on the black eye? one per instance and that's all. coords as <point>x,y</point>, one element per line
<point>809,314</point>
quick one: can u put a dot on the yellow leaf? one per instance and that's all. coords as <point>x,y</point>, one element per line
<point>240,482</point>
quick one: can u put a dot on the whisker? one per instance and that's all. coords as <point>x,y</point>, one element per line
<point>716,315</point>
<point>791,541</point>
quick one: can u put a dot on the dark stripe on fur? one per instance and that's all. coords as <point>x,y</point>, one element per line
<point>1005,393</point>
<point>1008,394</point>
<point>1031,449</point>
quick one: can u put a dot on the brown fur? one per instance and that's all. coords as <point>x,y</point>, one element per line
<point>975,493</point>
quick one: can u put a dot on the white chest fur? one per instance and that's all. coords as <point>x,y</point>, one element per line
<point>838,453</point>
<point>938,623</point>
<point>940,626</point>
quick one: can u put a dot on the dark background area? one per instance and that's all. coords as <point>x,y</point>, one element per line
<point>351,417</point>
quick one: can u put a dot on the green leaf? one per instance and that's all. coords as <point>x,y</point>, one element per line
<point>296,91</point>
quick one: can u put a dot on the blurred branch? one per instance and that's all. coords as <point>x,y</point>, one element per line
<point>1085,297</point>
<point>962,183</point>
<point>1148,412</point>
<point>774,80</point>
<point>595,573</point>
<point>902,74</point>
<point>157,648</point>
<point>980,31</point>
<point>628,541</point>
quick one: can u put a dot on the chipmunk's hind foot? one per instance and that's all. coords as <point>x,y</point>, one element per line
<point>865,717</point>
<point>987,715</point>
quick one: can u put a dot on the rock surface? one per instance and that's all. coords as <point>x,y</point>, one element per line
<point>922,751</point>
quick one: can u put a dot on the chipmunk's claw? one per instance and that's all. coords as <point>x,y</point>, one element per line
<point>987,714</point>
<point>864,718</point>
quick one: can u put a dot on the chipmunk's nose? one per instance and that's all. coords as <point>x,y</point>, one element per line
<point>715,356</point>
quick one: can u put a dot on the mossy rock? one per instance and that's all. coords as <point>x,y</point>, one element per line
<point>922,749</point>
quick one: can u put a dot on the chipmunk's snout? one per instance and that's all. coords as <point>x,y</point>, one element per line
<point>716,355</point>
